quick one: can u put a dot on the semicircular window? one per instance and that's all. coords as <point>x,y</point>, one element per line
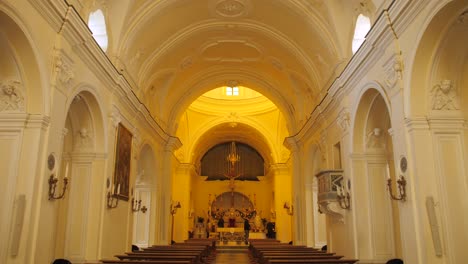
<point>231,161</point>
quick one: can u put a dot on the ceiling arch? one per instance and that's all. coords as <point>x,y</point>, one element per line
<point>217,77</point>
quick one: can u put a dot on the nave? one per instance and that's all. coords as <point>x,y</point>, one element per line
<point>210,251</point>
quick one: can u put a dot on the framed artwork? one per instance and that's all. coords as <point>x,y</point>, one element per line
<point>122,163</point>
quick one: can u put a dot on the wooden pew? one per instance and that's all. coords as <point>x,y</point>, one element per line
<point>117,261</point>
<point>313,261</point>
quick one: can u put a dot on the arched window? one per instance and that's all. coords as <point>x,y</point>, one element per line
<point>97,25</point>
<point>363,26</point>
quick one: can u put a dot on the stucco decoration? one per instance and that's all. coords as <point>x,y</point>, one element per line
<point>231,8</point>
<point>115,117</point>
<point>63,69</point>
<point>83,139</point>
<point>11,96</point>
<point>393,69</point>
<point>375,138</point>
<point>463,18</point>
<point>344,120</point>
<point>231,50</point>
<point>186,63</point>
<point>444,96</point>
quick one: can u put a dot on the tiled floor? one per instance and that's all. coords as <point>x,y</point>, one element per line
<point>232,257</point>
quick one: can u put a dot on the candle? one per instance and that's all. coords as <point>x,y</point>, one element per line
<point>66,170</point>
<point>113,188</point>
<point>118,188</point>
<point>388,172</point>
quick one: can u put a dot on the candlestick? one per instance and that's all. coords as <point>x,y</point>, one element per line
<point>66,170</point>
<point>388,171</point>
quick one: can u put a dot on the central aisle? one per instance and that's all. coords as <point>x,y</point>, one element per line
<point>237,256</point>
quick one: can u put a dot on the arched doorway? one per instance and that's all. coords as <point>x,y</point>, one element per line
<point>372,164</point>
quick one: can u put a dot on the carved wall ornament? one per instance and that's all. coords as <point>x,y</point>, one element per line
<point>137,57</point>
<point>344,120</point>
<point>186,63</point>
<point>276,63</point>
<point>83,139</point>
<point>463,18</point>
<point>393,69</point>
<point>375,138</point>
<point>63,69</point>
<point>115,117</point>
<point>232,8</point>
<point>233,117</point>
<point>363,7</point>
<point>11,96</point>
<point>444,96</point>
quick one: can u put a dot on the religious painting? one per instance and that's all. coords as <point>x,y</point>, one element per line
<point>122,163</point>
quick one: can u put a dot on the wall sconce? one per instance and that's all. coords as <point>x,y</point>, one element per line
<point>401,183</point>
<point>289,208</point>
<point>112,200</point>
<point>53,185</point>
<point>136,204</point>
<point>174,207</point>
<point>343,198</point>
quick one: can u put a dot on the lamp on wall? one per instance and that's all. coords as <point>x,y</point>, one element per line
<point>136,204</point>
<point>112,200</point>
<point>174,207</point>
<point>343,197</point>
<point>289,208</point>
<point>401,184</point>
<point>53,180</point>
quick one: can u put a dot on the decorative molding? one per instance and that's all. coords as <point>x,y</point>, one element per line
<point>444,96</point>
<point>172,144</point>
<point>291,144</point>
<point>11,96</point>
<point>246,51</point>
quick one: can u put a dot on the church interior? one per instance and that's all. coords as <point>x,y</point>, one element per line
<point>315,122</point>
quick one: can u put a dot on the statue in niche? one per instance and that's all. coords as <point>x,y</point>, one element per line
<point>11,98</point>
<point>444,96</point>
<point>375,139</point>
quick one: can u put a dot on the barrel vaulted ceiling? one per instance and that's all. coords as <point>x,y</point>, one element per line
<point>173,51</point>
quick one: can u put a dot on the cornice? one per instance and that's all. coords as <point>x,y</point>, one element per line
<point>66,21</point>
<point>416,123</point>
<point>53,11</point>
<point>18,121</point>
<point>380,38</point>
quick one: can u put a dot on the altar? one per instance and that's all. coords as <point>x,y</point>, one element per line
<point>231,233</point>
